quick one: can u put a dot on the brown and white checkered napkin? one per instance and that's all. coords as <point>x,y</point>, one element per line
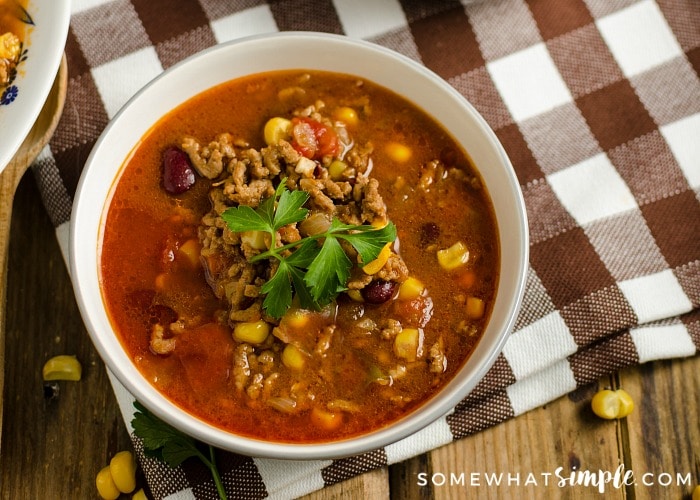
<point>597,103</point>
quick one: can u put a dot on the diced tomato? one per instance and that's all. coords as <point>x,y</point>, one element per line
<point>304,137</point>
<point>313,139</point>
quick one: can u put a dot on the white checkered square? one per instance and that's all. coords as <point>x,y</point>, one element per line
<point>82,5</point>
<point>253,21</point>
<point>662,342</point>
<point>529,82</point>
<point>186,494</point>
<point>436,434</point>
<point>278,474</point>
<point>541,388</point>
<point>539,345</point>
<point>592,190</point>
<point>655,296</point>
<point>559,138</point>
<point>369,18</point>
<point>639,37</point>
<point>118,80</point>
<point>683,137</point>
<point>487,20</point>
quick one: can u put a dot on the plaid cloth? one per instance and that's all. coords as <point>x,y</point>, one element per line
<point>597,103</point>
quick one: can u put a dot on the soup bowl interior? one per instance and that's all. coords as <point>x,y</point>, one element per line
<point>313,52</point>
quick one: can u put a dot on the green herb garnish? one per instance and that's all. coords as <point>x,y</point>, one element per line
<point>317,272</point>
<point>171,446</point>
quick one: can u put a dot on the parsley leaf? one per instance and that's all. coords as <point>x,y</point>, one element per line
<point>278,291</point>
<point>245,219</point>
<point>315,272</point>
<point>328,273</point>
<point>289,208</point>
<point>171,446</point>
<point>367,240</point>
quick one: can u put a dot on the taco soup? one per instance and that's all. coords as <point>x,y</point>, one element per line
<point>299,256</point>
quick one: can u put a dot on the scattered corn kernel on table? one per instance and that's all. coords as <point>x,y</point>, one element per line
<point>53,445</point>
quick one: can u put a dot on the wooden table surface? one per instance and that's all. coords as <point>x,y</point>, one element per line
<point>53,448</point>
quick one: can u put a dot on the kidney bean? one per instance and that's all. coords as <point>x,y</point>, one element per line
<point>379,291</point>
<point>178,175</point>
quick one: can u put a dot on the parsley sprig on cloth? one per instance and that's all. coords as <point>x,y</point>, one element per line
<point>171,446</point>
<point>318,268</point>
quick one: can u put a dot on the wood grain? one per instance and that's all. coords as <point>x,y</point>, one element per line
<point>51,448</point>
<point>38,137</point>
<point>663,433</point>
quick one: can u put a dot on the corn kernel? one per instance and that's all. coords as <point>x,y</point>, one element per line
<point>62,367</point>
<point>611,404</point>
<point>105,485</point>
<point>379,223</point>
<point>9,46</point>
<point>296,318</point>
<point>325,419</point>
<point>139,495</point>
<point>453,257</point>
<point>355,295</point>
<point>410,289</point>
<point>252,332</point>
<point>475,307</point>
<point>254,239</point>
<point>336,169</point>
<point>190,250</point>
<point>346,115</point>
<point>122,467</point>
<point>277,129</point>
<point>398,152</point>
<point>293,358</point>
<point>375,266</point>
<point>407,344</point>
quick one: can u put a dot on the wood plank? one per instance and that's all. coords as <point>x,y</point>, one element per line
<point>562,434</point>
<point>664,428</point>
<point>36,139</point>
<point>373,484</point>
<point>51,449</point>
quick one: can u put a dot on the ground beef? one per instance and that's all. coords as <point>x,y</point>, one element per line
<point>246,176</point>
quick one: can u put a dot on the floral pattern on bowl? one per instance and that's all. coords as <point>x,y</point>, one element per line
<point>46,29</point>
<point>11,91</point>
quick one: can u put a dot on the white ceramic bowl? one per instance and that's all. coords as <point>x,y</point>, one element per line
<point>294,51</point>
<point>45,39</point>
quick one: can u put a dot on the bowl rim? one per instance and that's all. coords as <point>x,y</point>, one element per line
<point>435,407</point>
